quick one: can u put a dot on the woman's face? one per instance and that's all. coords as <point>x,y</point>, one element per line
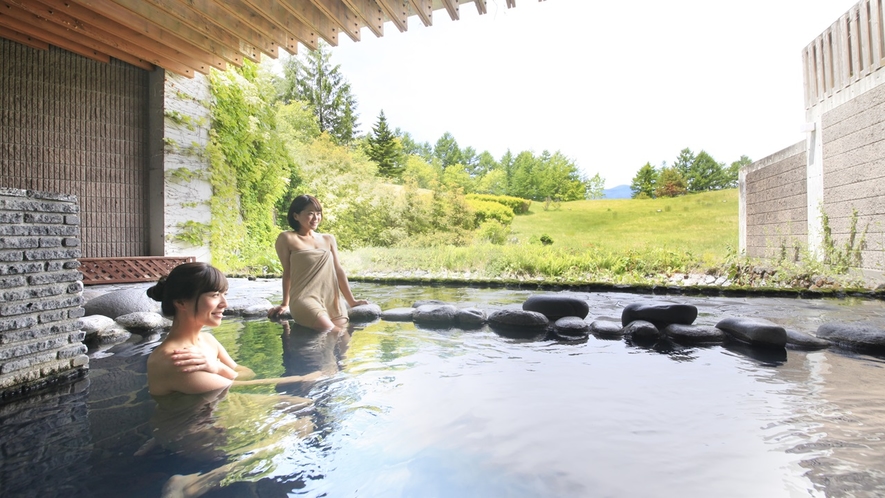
<point>210,308</point>
<point>309,218</point>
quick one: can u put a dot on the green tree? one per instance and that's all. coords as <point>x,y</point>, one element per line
<point>384,148</point>
<point>644,182</point>
<point>313,79</point>
<point>446,150</point>
<point>684,161</point>
<point>595,187</point>
<point>704,174</point>
<point>412,148</point>
<point>670,183</point>
<point>732,174</point>
<point>421,173</point>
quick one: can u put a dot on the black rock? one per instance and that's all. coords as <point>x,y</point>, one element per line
<point>470,317</point>
<point>755,331</point>
<point>425,302</point>
<point>122,302</point>
<point>435,314</point>
<point>398,314</point>
<point>661,314</point>
<point>364,313</point>
<point>694,334</point>
<point>518,318</point>
<point>556,306</point>
<point>571,326</point>
<point>640,329</point>
<point>860,335</point>
<point>801,340</point>
<point>604,328</point>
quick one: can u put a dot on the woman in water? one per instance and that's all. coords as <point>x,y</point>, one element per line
<point>313,279</point>
<point>189,375</point>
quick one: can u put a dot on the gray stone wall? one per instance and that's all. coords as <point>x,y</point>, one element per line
<point>774,195</point>
<point>853,137</point>
<point>41,294</point>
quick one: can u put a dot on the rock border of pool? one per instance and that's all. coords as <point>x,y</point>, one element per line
<point>551,314</point>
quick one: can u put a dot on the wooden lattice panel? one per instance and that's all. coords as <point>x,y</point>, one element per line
<point>127,270</point>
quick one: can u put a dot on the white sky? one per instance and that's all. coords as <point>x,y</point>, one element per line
<point>612,85</point>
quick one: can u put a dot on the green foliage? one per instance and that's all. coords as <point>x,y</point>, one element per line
<point>545,239</point>
<point>645,182</point>
<point>456,177</point>
<point>314,80</point>
<point>421,173</point>
<point>488,210</point>
<point>193,233</point>
<point>517,205</point>
<point>446,150</point>
<point>384,148</point>
<point>248,162</point>
<point>670,183</point>
<point>704,174</point>
<point>183,175</point>
<point>595,187</point>
<point>841,259</point>
<point>731,175</point>
<point>546,176</point>
<point>493,232</point>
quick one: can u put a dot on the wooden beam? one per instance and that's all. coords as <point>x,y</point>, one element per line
<point>370,13</point>
<point>452,9</point>
<point>340,14</point>
<point>511,4</point>
<point>211,20</point>
<point>147,48</point>
<point>424,9</point>
<point>481,6</point>
<point>23,39</point>
<point>273,30</point>
<point>161,28</point>
<point>41,24</point>
<point>313,17</point>
<point>300,31</point>
<point>50,38</point>
<point>397,11</point>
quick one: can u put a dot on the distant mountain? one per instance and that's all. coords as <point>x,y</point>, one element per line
<point>619,192</point>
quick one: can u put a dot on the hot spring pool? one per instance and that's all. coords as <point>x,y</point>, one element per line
<point>408,411</point>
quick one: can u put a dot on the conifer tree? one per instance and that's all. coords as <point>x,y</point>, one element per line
<point>384,148</point>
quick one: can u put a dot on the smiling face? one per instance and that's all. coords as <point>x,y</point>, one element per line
<point>309,218</point>
<point>207,309</point>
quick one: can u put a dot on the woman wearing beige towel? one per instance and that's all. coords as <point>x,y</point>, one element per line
<point>314,282</point>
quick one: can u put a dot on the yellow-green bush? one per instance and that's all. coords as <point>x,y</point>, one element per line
<point>487,210</point>
<point>516,204</point>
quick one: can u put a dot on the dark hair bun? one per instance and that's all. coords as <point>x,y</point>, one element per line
<point>158,290</point>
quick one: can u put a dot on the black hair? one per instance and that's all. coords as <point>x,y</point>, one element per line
<point>299,204</point>
<point>187,281</point>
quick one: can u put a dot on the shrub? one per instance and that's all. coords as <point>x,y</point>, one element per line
<point>493,231</point>
<point>486,210</point>
<point>517,204</point>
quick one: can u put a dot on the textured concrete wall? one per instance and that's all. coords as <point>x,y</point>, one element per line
<point>854,172</point>
<point>186,164</point>
<point>773,197</point>
<point>41,294</point>
<point>74,125</point>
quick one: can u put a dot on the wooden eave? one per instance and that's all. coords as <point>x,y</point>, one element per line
<point>192,36</point>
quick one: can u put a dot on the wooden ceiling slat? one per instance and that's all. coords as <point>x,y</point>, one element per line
<point>340,14</point>
<point>162,34</point>
<point>452,8</point>
<point>300,31</point>
<point>23,39</point>
<point>147,48</point>
<point>50,38</point>
<point>61,32</point>
<point>481,6</point>
<point>397,11</point>
<point>424,9</point>
<point>313,17</point>
<point>182,30</point>
<point>274,30</point>
<point>208,25</point>
<point>370,14</point>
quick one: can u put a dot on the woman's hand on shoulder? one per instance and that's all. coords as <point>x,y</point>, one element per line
<point>193,360</point>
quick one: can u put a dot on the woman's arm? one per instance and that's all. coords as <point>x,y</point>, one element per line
<point>283,250</point>
<point>343,284</point>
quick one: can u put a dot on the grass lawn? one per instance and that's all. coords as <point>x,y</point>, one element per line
<point>704,224</point>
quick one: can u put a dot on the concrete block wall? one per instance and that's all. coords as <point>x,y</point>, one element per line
<point>853,137</point>
<point>41,293</point>
<point>774,204</point>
